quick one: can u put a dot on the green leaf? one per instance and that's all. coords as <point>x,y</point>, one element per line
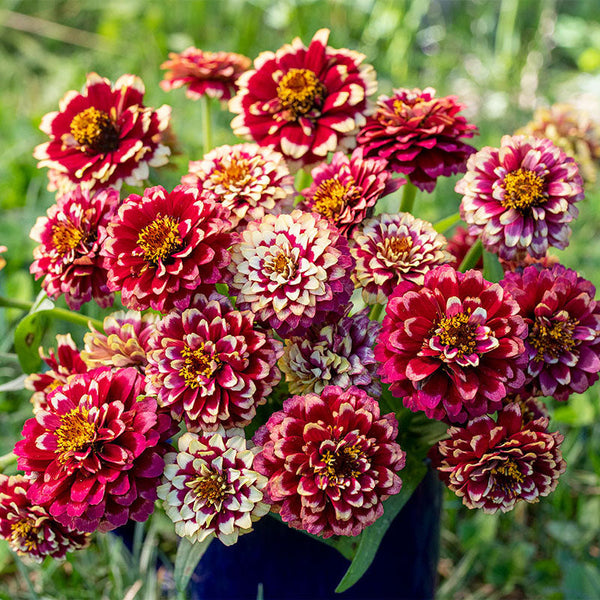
<point>188,557</point>
<point>492,269</point>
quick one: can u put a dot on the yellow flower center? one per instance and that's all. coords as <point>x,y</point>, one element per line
<point>94,129</point>
<point>554,339</point>
<point>199,366</point>
<point>24,533</point>
<point>396,247</point>
<point>507,476</point>
<point>236,174</point>
<point>456,332</point>
<point>341,465</point>
<point>332,196</point>
<point>160,239</point>
<point>66,237</point>
<point>299,91</point>
<point>210,486</point>
<point>282,264</point>
<point>402,106</point>
<point>523,189</point>
<point>75,432</point>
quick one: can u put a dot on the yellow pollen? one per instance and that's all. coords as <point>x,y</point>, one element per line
<point>282,264</point>
<point>212,487</point>
<point>339,466</point>
<point>523,189</point>
<point>456,332</point>
<point>75,432</point>
<point>553,340</point>
<point>160,239</point>
<point>66,237</point>
<point>93,128</point>
<point>199,366</point>
<point>401,106</point>
<point>236,174</point>
<point>23,532</point>
<point>507,476</point>
<point>396,247</point>
<point>332,196</point>
<point>299,91</point>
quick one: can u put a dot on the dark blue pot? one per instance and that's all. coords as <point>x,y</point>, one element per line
<point>288,564</point>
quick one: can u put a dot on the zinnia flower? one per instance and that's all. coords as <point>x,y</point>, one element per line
<point>163,247</point>
<point>95,456</point>
<point>204,73</point>
<point>304,102</point>
<point>211,487</point>
<point>452,347</point>
<point>419,135</point>
<point>70,238</point>
<point>563,345</point>
<point>338,353</point>
<point>392,248</point>
<point>249,180</point>
<point>103,136</point>
<point>210,365</point>
<point>520,198</point>
<point>331,460</point>
<point>345,191</point>
<point>493,464</point>
<point>291,270</point>
<point>28,528</point>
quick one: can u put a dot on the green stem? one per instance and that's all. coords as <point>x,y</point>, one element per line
<point>25,575</point>
<point>446,223</point>
<point>22,304</point>
<point>409,192</point>
<point>206,123</point>
<point>376,312</point>
<point>6,460</point>
<point>472,256</point>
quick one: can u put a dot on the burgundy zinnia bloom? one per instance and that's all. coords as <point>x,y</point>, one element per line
<point>494,464</point>
<point>519,198</point>
<point>291,270</point>
<point>452,347</point>
<point>345,191</point>
<point>163,247</point>
<point>95,455</point>
<point>70,238</point>
<point>331,460</point>
<point>103,136</point>
<point>304,102</point>
<point>28,528</point>
<point>563,345</point>
<point>419,135</point>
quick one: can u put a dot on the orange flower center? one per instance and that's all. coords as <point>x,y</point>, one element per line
<point>75,432</point>
<point>94,129</point>
<point>210,486</point>
<point>401,107</point>
<point>507,476</point>
<point>236,174</point>
<point>199,366</point>
<point>282,264</point>
<point>24,532</point>
<point>160,239</point>
<point>523,189</point>
<point>66,237</point>
<point>299,91</point>
<point>552,339</point>
<point>456,332</point>
<point>332,196</point>
<point>396,247</point>
<point>341,465</point>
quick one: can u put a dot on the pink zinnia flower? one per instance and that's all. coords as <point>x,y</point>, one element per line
<point>165,246</point>
<point>249,180</point>
<point>331,460</point>
<point>452,347</point>
<point>70,238</point>
<point>103,136</point>
<point>95,455</point>
<point>210,365</point>
<point>304,102</point>
<point>493,464</point>
<point>212,74</point>
<point>345,191</point>
<point>419,135</point>
<point>520,198</point>
<point>563,345</point>
<point>291,270</point>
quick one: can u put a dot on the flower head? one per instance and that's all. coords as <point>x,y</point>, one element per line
<point>419,135</point>
<point>452,347</point>
<point>210,365</point>
<point>248,180</point>
<point>494,464</point>
<point>304,102</point>
<point>291,270</point>
<point>520,198</point>
<point>70,238</point>
<point>165,246</point>
<point>331,460</point>
<point>210,487</point>
<point>103,136</point>
<point>563,344</point>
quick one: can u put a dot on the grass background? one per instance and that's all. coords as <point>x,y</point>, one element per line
<point>501,58</point>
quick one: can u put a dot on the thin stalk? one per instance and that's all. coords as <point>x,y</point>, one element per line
<point>206,123</point>
<point>472,256</point>
<point>409,192</point>
<point>376,312</point>
<point>9,303</point>
<point>25,575</point>
<point>446,223</point>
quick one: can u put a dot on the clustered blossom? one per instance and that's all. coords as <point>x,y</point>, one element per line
<point>248,180</point>
<point>338,353</point>
<point>210,366</point>
<point>452,347</point>
<point>163,247</point>
<point>520,198</point>
<point>70,238</point>
<point>493,464</point>
<point>104,136</point>
<point>213,74</point>
<point>419,135</point>
<point>28,528</point>
<point>211,487</point>
<point>304,102</point>
<point>392,248</point>
<point>345,191</point>
<point>331,460</point>
<point>563,317</point>
<point>291,270</point>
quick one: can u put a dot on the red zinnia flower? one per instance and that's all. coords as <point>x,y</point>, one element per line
<point>331,460</point>
<point>304,102</point>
